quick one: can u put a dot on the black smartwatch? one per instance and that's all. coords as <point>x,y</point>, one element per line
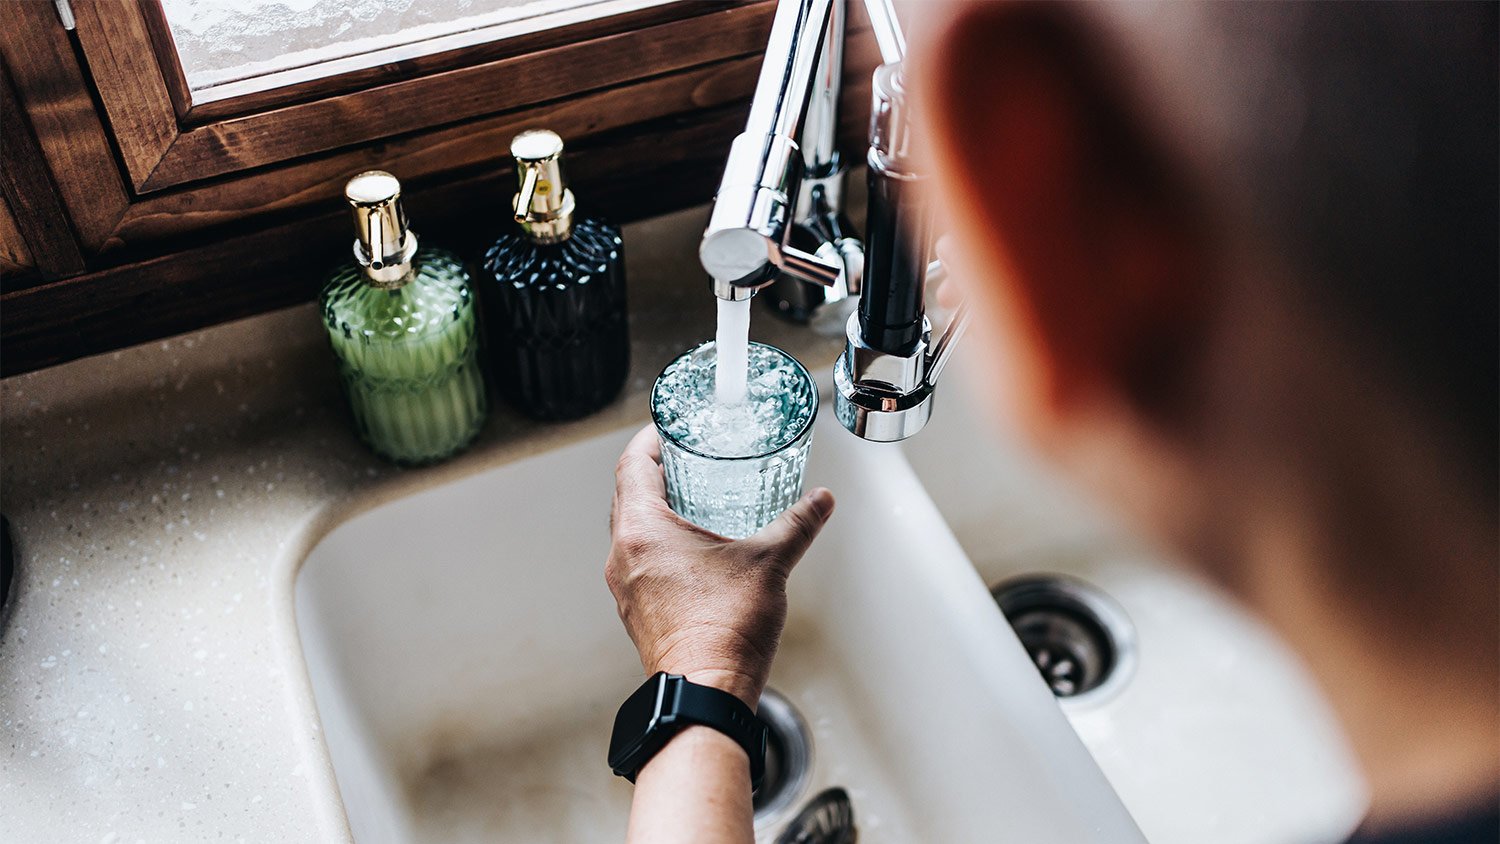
<point>666,704</point>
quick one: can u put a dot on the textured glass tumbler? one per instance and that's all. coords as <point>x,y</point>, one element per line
<point>734,485</point>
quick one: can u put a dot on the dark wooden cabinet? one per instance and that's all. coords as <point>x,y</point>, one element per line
<point>131,213</point>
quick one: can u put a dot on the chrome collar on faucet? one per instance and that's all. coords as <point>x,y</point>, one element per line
<point>885,379</point>
<point>884,397</point>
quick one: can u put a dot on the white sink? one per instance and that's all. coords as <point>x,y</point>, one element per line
<point>466,660</point>
<point>1218,735</point>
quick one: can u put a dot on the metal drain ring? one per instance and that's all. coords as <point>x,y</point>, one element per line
<point>788,758</point>
<point>1079,639</point>
<point>826,819</point>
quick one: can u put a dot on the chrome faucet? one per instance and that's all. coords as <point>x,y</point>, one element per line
<point>777,217</point>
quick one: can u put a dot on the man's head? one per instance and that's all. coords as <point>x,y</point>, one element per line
<point>1235,266</point>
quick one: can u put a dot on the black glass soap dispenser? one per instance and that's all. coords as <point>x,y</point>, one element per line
<point>554,297</point>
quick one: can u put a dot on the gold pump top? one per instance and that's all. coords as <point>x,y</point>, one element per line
<point>543,205</point>
<point>384,244</point>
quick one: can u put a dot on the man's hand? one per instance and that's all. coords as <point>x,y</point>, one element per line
<point>696,603</point>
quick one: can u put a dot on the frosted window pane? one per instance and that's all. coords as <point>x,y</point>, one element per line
<point>231,47</point>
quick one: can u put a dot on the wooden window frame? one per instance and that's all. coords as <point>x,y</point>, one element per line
<point>145,215</point>
<point>165,142</point>
<point>316,85</point>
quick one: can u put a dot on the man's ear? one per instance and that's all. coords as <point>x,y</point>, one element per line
<point>1050,181</point>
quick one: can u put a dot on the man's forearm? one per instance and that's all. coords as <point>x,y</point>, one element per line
<point>696,789</point>
<point>691,608</point>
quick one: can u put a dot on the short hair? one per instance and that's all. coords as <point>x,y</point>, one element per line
<point>1363,141</point>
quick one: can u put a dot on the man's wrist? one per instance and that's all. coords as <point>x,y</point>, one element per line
<point>738,683</point>
<point>700,747</point>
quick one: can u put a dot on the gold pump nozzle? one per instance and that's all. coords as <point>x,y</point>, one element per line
<point>543,205</point>
<point>384,244</point>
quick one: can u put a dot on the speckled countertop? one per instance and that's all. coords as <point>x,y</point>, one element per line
<point>163,498</point>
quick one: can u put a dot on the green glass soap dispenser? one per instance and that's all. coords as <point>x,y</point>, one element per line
<point>401,319</point>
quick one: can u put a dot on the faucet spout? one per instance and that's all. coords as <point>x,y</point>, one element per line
<point>747,241</point>
<point>777,216</point>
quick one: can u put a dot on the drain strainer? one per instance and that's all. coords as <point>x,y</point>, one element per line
<point>1079,639</point>
<point>788,757</point>
<point>827,819</point>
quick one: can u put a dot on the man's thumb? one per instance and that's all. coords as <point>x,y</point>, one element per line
<point>795,529</point>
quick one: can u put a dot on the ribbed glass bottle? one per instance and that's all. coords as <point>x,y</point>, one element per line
<point>555,312</point>
<point>408,357</point>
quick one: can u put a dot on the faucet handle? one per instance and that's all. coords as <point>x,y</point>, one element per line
<point>942,351</point>
<point>887,29</point>
<point>809,267</point>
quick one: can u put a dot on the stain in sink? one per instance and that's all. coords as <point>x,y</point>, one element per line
<point>549,785</point>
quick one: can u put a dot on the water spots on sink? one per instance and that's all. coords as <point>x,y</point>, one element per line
<point>547,785</point>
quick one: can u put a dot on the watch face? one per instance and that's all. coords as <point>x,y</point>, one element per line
<point>636,716</point>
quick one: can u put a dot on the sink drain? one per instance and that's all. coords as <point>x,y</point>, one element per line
<point>788,757</point>
<point>1079,639</point>
<point>827,819</point>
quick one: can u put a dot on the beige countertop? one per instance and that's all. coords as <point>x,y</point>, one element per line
<point>162,500</point>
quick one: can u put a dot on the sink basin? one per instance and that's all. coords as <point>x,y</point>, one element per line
<point>1218,734</point>
<point>466,661</point>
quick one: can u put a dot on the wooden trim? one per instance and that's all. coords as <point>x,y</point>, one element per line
<point>158,155</point>
<point>237,235</point>
<point>285,264</point>
<point>15,257</point>
<point>357,80</point>
<point>679,157</point>
<point>477,144</point>
<point>54,93</point>
<point>168,63</point>
<point>115,39</point>
<point>31,195</point>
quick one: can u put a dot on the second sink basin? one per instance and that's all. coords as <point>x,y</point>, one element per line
<point>467,661</point>
<point>1218,734</point>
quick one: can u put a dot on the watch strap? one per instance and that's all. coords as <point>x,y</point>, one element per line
<point>667,703</point>
<point>722,711</point>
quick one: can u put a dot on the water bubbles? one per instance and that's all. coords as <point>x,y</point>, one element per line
<point>732,468</point>
<point>778,404</point>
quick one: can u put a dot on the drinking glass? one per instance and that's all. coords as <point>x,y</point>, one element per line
<point>733,468</point>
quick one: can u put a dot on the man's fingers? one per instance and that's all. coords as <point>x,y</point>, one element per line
<point>638,474</point>
<point>647,442</point>
<point>794,530</point>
